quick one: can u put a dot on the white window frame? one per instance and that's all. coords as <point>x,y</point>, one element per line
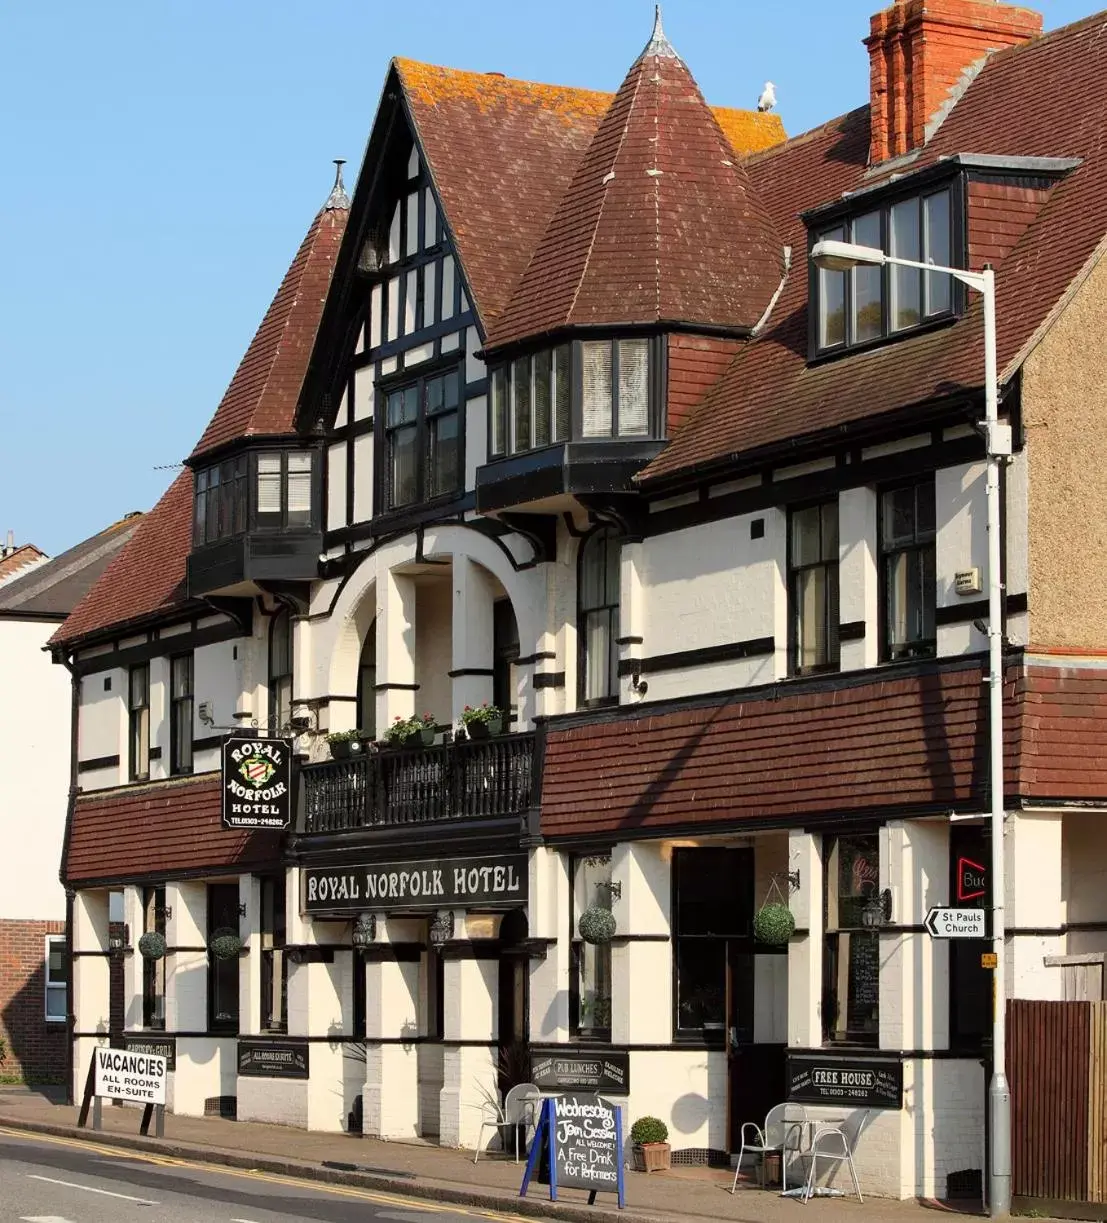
<point>63,985</point>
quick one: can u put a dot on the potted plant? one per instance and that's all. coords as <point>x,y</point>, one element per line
<point>152,945</point>
<point>405,732</point>
<point>224,943</point>
<point>774,924</point>
<point>597,925</point>
<point>427,729</point>
<point>344,743</point>
<point>483,722</point>
<point>649,1141</point>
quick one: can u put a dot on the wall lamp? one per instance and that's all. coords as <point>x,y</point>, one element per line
<point>878,910</point>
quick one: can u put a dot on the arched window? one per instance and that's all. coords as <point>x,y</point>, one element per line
<point>280,671</point>
<point>598,584</point>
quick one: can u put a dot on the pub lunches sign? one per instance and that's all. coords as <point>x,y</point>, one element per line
<point>257,782</point>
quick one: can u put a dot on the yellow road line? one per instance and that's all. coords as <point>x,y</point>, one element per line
<point>274,1178</point>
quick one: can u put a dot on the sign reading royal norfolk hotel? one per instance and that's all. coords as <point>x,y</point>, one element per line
<point>257,782</point>
<point>435,883</point>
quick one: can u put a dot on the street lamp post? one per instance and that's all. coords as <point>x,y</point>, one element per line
<point>837,256</point>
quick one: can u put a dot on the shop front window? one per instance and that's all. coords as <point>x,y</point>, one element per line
<point>590,983</point>
<point>851,955</point>
<point>153,971</point>
<point>222,973</point>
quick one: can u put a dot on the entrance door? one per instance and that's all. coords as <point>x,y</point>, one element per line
<point>514,986</point>
<point>756,1072</point>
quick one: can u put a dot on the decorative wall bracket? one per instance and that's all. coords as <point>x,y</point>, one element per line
<point>791,878</point>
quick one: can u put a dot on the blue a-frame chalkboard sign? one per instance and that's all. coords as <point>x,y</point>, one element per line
<point>579,1143</point>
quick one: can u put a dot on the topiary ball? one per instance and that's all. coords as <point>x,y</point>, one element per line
<point>774,924</point>
<point>152,945</point>
<point>224,944</point>
<point>597,925</point>
<point>648,1129</point>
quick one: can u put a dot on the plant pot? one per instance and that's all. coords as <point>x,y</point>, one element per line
<point>341,749</point>
<point>427,736</point>
<point>655,1157</point>
<point>484,730</point>
<point>772,1167</point>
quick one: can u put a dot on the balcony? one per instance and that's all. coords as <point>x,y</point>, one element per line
<point>480,781</point>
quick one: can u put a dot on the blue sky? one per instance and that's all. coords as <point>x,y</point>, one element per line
<point>161,162</point>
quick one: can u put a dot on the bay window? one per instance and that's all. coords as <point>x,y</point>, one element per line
<point>907,586</point>
<point>851,952</point>
<point>423,440</point>
<point>531,400</point>
<point>282,495</point>
<point>284,489</point>
<point>869,302</point>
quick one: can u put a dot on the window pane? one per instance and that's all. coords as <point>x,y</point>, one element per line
<point>542,398</point>
<point>593,571</point>
<point>239,524</point>
<point>634,357</point>
<point>451,386</point>
<point>899,516</point>
<point>299,489</point>
<point>906,282</point>
<point>499,412</point>
<point>806,536</point>
<point>269,483</point>
<point>593,964</point>
<point>701,983</point>
<point>140,686</point>
<point>404,465</point>
<point>832,300</point>
<point>444,454</point>
<point>939,285</point>
<point>562,393</point>
<point>435,391</point>
<point>598,648</point>
<point>596,361</point>
<point>867,280</point>
<point>55,962</point>
<point>200,516</point>
<point>182,675</point>
<point>520,395</point>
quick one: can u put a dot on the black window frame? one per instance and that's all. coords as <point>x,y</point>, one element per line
<point>419,381</point>
<point>217,513</point>
<point>223,975</point>
<point>598,1033</point>
<point>278,681</point>
<point>840,227</point>
<point>505,653</point>
<point>611,609</point>
<point>153,971</point>
<point>796,571</point>
<point>832,936</point>
<point>180,716</point>
<point>274,959</point>
<point>281,520</point>
<point>138,718</point>
<point>920,647</point>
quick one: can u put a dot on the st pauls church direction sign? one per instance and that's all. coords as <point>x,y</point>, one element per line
<point>435,883</point>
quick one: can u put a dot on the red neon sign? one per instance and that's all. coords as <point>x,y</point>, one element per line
<point>972,879</point>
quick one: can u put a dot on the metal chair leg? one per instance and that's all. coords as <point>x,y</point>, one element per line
<point>738,1167</point>
<point>853,1173</point>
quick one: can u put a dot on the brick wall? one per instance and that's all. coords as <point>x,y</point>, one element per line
<point>35,1051</point>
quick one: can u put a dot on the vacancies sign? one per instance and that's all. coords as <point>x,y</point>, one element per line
<point>257,782</point>
<point>435,883</point>
<point>123,1074</point>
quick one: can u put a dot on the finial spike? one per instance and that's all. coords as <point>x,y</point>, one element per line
<point>338,197</point>
<point>659,44</point>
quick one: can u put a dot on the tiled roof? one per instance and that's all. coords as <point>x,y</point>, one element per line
<point>147,576</point>
<point>502,153</point>
<point>1045,98</point>
<point>261,398</point>
<point>1060,731</point>
<point>19,558</point>
<point>159,829</point>
<point>772,754</point>
<point>658,223</point>
<point>56,586</point>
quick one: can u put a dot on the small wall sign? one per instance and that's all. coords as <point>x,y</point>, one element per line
<point>578,1143</point>
<point>558,1069</point>
<point>273,1059</point>
<point>434,883</point>
<point>157,1046</point>
<point>866,1083</point>
<point>257,782</point>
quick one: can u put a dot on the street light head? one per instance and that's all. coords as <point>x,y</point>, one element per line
<point>834,256</point>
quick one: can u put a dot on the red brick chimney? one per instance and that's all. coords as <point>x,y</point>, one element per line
<point>918,50</point>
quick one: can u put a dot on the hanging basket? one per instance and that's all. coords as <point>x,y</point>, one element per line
<point>224,944</point>
<point>597,925</point>
<point>152,945</point>
<point>774,923</point>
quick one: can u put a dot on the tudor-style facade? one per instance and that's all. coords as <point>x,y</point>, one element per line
<point>595,446</point>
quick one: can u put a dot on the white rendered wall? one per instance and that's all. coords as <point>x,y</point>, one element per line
<point>102,727</point>
<point>1034,867</point>
<point>35,709</point>
<point>962,543</point>
<point>1084,879</point>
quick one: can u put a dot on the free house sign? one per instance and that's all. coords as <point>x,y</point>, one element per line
<point>854,1082</point>
<point>257,782</point>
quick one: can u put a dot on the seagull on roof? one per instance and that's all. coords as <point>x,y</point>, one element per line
<point>768,97</point>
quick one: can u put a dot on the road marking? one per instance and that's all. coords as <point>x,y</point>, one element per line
<point>89,1189</point>
<point>403,1201</point>
<point>42,1219</point>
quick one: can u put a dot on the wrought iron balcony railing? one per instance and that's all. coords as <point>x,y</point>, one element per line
<point>475,780</point>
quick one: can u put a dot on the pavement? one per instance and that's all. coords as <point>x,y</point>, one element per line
<point>414,1172</point>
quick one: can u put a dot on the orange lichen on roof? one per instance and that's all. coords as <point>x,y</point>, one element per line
<point>748,131</point>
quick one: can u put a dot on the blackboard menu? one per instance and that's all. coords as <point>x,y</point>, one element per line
<point>864,971</point>
<point>273,1059</point>
<point>863,1082</point>
<point>557,1069</point>
<point>586,1143</point>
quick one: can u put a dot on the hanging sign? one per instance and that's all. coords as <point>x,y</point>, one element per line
<point>430,883</point>
<point>557,1069</point>
<point>257,782</point>
<point>578,1143</point>
<point>814,1079</point>
<point>123,1074</point>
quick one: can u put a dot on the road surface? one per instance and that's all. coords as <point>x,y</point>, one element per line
<point>60,1180</point>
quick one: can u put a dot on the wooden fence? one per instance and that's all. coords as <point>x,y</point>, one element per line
<point>1057,1067</point>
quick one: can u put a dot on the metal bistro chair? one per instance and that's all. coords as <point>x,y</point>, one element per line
<point>835,1144</point>
<point>518,1110</point>
<point>783,1132</point>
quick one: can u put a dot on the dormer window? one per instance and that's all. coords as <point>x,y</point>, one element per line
<point>868,304</point>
